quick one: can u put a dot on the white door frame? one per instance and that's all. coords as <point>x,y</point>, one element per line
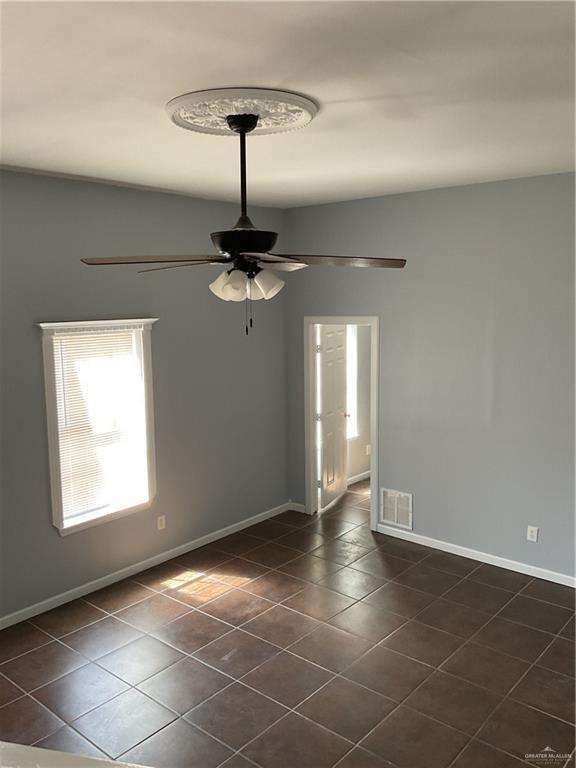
<point>309,404</point>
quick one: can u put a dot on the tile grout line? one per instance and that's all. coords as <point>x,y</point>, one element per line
<point>513,687</point>
<point>322,623</point>
<point>241,627</point>
<point>178,716</point>
<point>334,676</point>
<point>239,680</point>
<point>145,633</point>
<point>341,675</point>
<point>466,640</point>
<point>503,700</point>
<point>399,704</point>
<point>290,710</point>
<point>191,609</point>
<point>287,649</point>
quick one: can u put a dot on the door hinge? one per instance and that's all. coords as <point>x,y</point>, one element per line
<point>318,348</point>
<point>319,483</point>
<point>317,417</point>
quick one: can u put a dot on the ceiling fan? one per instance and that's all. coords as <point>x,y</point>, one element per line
<point>245,250</point>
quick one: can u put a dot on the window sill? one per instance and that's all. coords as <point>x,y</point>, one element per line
<point>92,519</point>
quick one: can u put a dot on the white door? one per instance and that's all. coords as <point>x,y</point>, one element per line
<point>331,408</point>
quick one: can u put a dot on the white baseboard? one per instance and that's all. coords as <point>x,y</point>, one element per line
<point>483,557</point>
<point>130,570</point>
<point>297,507</point>
<point>357,478</point>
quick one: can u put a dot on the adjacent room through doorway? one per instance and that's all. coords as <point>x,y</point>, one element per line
<point>341,411</point>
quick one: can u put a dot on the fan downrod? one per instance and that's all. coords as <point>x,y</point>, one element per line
<point>243,124</point>
<point>244,237</point>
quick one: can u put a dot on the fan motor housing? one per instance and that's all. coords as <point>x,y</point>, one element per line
<point>234,241</point>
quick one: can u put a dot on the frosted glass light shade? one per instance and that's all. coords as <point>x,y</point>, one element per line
<point>235,288</point>
<point>217,287</point>
<point>254,293</point>
<point>269,283</point>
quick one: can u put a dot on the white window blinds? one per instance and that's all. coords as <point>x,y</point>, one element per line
<point>98,392</point>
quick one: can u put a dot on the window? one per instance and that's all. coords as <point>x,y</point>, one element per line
<point>352,381</point>
<point>100,419</point>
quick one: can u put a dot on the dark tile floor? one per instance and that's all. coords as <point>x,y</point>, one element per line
<point>301,643</point>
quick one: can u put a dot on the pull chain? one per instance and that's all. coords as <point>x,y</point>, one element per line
<point>248,316</point>
<point>248,308</point>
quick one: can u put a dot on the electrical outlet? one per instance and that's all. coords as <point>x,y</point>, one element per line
<point>161,522</point>
<point>368,449</point>
<point>532,533</point>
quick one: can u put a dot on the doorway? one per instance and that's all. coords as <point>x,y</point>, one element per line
<point>341,412</point>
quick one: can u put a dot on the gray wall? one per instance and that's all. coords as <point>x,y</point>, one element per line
<point>219,396</point>
<point>358,461</point>
<point>476,368</point>
<point>476,355</point>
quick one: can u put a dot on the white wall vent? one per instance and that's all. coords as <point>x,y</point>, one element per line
<point>396,508</point>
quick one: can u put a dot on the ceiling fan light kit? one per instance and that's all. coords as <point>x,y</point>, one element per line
<point>235,285</point>
<point>245,249</point>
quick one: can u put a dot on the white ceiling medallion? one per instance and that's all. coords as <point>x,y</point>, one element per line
<point>206,111</point>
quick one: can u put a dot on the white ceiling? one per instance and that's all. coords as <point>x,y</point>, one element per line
<point>413,95</point>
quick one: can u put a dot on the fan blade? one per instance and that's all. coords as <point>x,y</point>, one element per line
<point>176,266</point>
<point>268,257</point>
<point>346,261</point>
<point>205,259</point>
<point>283,266</point>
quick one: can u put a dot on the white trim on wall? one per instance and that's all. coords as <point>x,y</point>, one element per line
<point>71,326</point>
<point>357,478</point>
<point>50,332</point>
<point>483,557</point>
<point>309,389</point>
<point>298,507</point>
<point>130,570</point>
<point>124,573</point>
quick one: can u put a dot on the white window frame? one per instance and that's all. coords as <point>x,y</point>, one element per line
<point>49,331</point>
